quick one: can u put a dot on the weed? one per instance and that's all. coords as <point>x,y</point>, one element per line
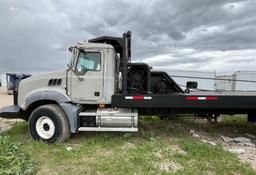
<point>13,160</point>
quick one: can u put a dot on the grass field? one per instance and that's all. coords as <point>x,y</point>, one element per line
<point>160,147</point>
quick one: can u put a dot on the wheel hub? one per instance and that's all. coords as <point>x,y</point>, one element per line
<point>45,127</point>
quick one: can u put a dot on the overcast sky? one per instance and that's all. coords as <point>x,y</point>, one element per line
<point>208,35</point>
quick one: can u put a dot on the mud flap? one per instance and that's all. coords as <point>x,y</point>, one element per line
<point>10,112</point>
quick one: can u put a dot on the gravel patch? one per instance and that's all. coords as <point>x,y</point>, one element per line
<point>243,145</point>
<point>6,100</point>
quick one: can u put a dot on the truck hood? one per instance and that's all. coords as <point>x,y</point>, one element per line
<point>49,81</point>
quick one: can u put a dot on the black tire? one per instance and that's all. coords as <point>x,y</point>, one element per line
<point>56,126</point>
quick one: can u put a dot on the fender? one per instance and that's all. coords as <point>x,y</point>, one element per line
<point>56,95</point>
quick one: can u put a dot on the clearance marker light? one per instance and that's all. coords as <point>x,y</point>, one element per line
<point>195,98</point>
<point>138,98</point>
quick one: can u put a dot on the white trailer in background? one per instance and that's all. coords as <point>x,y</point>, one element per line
<point>3,80</point>
<point>225,82</point>
<point>238,81</point>
<point>204,79</point>
<point>244,76</point>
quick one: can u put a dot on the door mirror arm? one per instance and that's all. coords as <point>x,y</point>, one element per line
<point>70,68</point>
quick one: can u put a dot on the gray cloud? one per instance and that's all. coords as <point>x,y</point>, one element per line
<point>180,34</point>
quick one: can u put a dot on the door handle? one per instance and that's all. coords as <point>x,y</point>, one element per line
<point>96,94</point>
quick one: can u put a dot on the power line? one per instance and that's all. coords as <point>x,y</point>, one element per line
<point>248,81</point>
<point>200,89</point>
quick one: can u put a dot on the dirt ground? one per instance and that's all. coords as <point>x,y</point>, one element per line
<point>6,100</point>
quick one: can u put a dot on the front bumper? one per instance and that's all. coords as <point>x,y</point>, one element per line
<point>11,112</point>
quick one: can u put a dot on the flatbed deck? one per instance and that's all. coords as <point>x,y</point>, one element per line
<point>217,101</point>
<point>223,93</point>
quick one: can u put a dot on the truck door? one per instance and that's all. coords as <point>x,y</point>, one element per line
<point>88,86</point>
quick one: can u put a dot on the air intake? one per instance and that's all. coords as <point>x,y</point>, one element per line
<point>55,82</point>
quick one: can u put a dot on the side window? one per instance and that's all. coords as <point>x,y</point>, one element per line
<point>89,60</point>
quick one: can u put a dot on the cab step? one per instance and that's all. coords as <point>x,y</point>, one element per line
<point>105,129</point>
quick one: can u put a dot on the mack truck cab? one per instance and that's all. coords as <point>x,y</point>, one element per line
<point>80,97</point>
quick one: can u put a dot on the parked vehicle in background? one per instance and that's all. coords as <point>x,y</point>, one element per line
<point>205,79</point>
<point>245,81</point>
<point>13,79</point>
<point>3,80</point>
<point>238,81</point>
<point>225,82</point>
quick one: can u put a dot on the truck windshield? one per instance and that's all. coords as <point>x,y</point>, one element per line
<point>89,60</point>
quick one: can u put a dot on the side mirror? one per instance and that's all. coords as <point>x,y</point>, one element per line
<point>81,70</point>
<point>70,56</point>
<point>191,85</point>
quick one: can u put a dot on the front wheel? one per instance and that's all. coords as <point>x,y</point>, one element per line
<point>49,123</point>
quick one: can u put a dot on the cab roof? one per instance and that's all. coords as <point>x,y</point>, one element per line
<point>93,45</point>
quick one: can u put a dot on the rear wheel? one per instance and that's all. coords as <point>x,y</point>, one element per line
<point>161,87</point>
<point>49,123</point>
<point>212,118</point>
